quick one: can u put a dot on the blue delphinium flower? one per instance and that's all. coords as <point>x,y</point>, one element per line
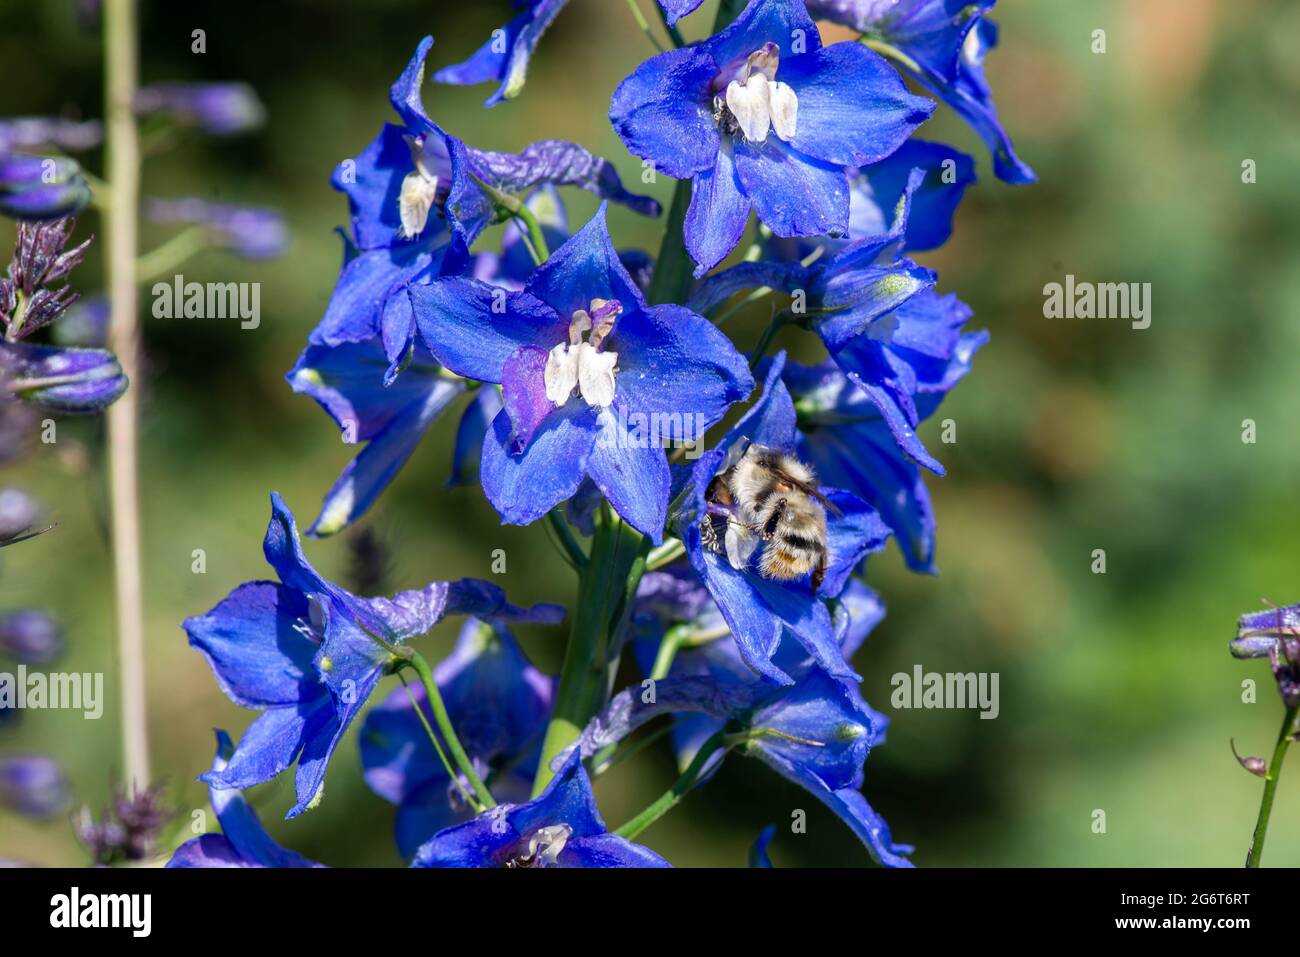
<point>416,206</point>
<point>582,360</point>
<point>57,379</point>
<point>41,187</point>
<point>504,58</point>
<point>562,827</point>
<point>763,116</point>
<point>943,43</point>
<point>499,704</point>
<point>843,435</point>
<point>878,316</point>
<point>1273,633</point>
<point>816,732</point>
<point>760,611</point>
<point>243,841</point>
<point>303,652</point>
<point>878,189</point>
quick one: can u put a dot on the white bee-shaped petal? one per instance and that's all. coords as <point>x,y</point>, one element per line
<point>583,367</point>
<point>596,375</point>
<point>561,373</point>
<point>784,108</point>
<point>415,201</point>
<point>750,105</point>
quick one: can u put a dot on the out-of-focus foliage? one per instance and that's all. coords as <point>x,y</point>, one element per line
<point>1117,691</point>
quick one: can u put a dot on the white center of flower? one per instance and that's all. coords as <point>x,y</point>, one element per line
<point>582,365</point>
<point>754,102</point>
<point>544,846</point>
<point>419,190</point>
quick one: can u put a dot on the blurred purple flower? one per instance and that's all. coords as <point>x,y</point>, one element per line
<point>41,187</point>
<point>249,231</point>
<point>33,785</point>
<point>31,637</point>
<point>221,109</point>
<point>33,132</point>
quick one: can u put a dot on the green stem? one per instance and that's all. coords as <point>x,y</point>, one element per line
<point>572,550</point>
<point>665,554</point>
<point>674,269</point>
<point>437,746</point>
<point>644,24</point>
<point>172,253</point>
<point>513,206</point>
<point>1270,787</point>
<point>769,336</point>
<point>421,667</point>
<point>681,787</point>
<point>584,677</point>
<point>890,52</point>
<point>122,165</point>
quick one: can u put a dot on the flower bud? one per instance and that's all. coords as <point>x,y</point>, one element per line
<point>18,512</point>
<point>61,380</point>
<point>32,784</point>
<point>1256,766</point>
<point>40,188</point>
<point>30,637</point>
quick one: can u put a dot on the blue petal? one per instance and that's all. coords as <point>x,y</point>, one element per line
<point>663,112</point>
<point>607,850</point>
<point>879,187</point>
<point>676,9</point>
<point>585,268</point>
<point>272,743</point>
<point>473,328</point>
<point>853,107</point>
<point>373,183</point>
<point>524,487</point>
<point>632,475</point>
<point>675,363</point>
<point>783,22</point>
<point>470,433</point>
<point>718,214</point>
<point>506,54</point>
<point>253,640</point>
<point>356,307</point>
<point>794,194</point>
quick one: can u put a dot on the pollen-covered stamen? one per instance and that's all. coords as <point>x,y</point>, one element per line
<point>581,362</point>
<point>749,100</point>
<point>420,189</point>
<point>544,847</point>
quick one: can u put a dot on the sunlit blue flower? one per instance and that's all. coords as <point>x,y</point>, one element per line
<point>243,841</point>
<point>760,611</point>
<point>763,116</point>
<point>504,58</point>
<point>303,652</point>
<point>878,316</point>
<point>562,827</point>
<point>816,732</point>
<point>582,360</point>
<point>499,704</point>
<point>943,43</point>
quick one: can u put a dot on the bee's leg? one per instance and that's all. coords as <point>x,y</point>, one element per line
<point>713,525</point>
<point>773,521</point>
<point>819,572</point>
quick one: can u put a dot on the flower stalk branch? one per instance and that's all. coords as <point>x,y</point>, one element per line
<point>1256,852</point>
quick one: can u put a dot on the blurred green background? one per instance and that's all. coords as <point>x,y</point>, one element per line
<point>1117,691</point>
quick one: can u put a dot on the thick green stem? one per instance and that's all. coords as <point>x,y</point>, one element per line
<point>674,269</point>
<point>584,677</point>
<point>1270,787</point>
<point>443,720</point>
<point>122,161</point>
<point>683,785</point>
